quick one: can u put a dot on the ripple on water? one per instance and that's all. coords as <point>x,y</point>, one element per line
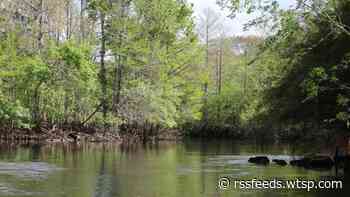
<point>224,160</point>
<point>27,170</point>
<point>24,171</point>
<point>190,170</point>
<point>8,190</point>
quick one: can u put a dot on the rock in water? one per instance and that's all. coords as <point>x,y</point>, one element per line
<point>314,162</point>
<point>280,162</point>
<point>324,162</point>
<point>261,160</point>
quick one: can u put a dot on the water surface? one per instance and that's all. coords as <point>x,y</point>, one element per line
<point>191,168</point>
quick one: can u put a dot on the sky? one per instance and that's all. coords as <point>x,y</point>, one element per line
<point>233,26</point>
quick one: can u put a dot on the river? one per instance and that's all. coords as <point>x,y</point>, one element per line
<point>186,169</point>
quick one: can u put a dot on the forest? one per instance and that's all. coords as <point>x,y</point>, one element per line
<point>149,67</point>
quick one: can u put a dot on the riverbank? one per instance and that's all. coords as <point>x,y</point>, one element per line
<point>268,134</point>
<point>125,135</point>
<point>129,134</point>
<point>58,136</point>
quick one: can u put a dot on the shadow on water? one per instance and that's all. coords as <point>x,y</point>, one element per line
<point>104,182</point>
<point>35,152</point>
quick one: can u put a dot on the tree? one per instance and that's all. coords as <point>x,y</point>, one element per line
<point>208,26</point>
<point>98,62</point>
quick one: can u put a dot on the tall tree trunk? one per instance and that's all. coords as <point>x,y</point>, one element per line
<point>68,20</point>
<point>66,106</point>
<point>36,94</point>
<point>103,72</point>
<point>245,80</point>
<point>219,74</point>
<point>77,106</point>
<point>41,34</point>
<point>221,61</point>
<point>68,36</point>
<point>117,86</point>
<point>82,23</point>
<point>36,105</point>
<point>81,36</point>
<point>121,59</point>
<point>217,57</point>
<point>205,85</point>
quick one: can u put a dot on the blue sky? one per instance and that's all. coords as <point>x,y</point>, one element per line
<point>233,26</point>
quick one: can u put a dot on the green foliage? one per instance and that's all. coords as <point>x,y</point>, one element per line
<point>14,114</point>
<point>299,76</point>
<point>151,48</point>
<point>155,67</point>
<point>249,6</point>
<point>312,83</point>
<point>307,92</point>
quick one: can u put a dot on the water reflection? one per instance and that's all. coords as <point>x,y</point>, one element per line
<point>191,168</point>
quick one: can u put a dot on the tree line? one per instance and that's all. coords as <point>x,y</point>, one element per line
<point>108,63</point>
<point>299,80</point>
<point>101,62</point>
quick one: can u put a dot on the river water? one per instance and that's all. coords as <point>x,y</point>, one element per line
<point>186,169</point>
